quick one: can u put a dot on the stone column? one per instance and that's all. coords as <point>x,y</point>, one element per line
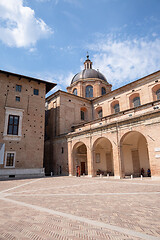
<point>70,158</point>
<point>154,155</point>
<point>117,172</point>
<point>117,157</point>
<point>90,163</point>
<point>90,158</point>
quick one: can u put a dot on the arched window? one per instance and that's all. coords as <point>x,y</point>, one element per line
<point>75,91</point>
<point>116,108</point>
<point>136,101</point>
<point>103,91</point>
<point>89,91</point>
<point>158,94</point>
<point>100,113</point>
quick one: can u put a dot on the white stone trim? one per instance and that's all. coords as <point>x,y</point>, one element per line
<point>2,149</point>
<point>22,171</point>
<point>17,112</point>
<point>13,160</point>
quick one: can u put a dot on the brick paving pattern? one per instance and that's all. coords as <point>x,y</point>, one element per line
<point>67,208</point>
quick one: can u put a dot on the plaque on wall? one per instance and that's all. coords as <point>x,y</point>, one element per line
<point>97,157</point>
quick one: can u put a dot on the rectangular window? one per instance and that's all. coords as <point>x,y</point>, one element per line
<point>36,91</point>
<point>10,160</point>
<point>17,99</point>
<point>13,123</point>
<point>82,115</point>
<point>18,88</point>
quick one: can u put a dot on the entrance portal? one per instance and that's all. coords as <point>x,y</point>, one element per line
<point>103,157</point>
<point>80,158</point>
<point>134,154</point>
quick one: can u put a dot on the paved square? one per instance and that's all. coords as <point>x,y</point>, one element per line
<point>79,208</point>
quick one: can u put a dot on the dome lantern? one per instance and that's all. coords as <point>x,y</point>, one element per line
<point>88,63</point>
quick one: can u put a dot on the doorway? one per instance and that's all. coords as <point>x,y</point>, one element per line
<point>82,168</point>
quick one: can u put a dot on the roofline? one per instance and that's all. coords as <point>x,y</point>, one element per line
<point>126,85</point>
<point>72,95</point>
<point>49,85</point>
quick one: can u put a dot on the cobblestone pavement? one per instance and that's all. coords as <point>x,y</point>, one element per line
<point>67,208</point>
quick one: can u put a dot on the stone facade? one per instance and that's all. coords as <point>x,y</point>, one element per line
<point>22,108</point>
<point>116,133</point>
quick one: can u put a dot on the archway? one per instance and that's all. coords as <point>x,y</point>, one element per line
<point>80,158</point>
<point>103,157</point>
<point>134,154</point>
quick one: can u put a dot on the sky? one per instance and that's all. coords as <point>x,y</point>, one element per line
<point>49,39</point>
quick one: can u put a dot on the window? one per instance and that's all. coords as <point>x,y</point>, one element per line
<point>100,113</point>
<point>36,91</point>
<point>13,122</point>
<point>18,88</point>
<point>10,159</point>
<point>75,91</point>
<point>82,115</point>
<point>116,108</point>
<point>89,91</point>
<point>17,99</point>
<point>62,150</point>
<point>136,101</point>
<point>158,94</point>
<point>103,91</point>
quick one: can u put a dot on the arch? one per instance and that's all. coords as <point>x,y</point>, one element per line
<point>99,112</point>
<point>156,92</point>
<point>103,156</point>
<point>79,156</point>
<point>134,100</point>
<point>83,113</point>
<point>134,153</point>
<point>115,108</point>
<point>89,91</point>
<point>75,91</point>
<point>103,91</point>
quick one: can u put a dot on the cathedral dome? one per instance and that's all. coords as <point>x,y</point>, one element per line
<point>88,73</point>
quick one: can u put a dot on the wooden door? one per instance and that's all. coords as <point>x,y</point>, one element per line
<point>82,168</point>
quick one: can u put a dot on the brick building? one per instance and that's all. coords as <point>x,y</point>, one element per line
<point>22,116</point>
<point>103,131</point>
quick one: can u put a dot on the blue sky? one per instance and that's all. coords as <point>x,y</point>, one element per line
<point>49,39</point>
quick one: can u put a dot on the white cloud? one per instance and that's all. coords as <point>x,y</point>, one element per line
<point>18,25</point>
<point>123,61</point>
